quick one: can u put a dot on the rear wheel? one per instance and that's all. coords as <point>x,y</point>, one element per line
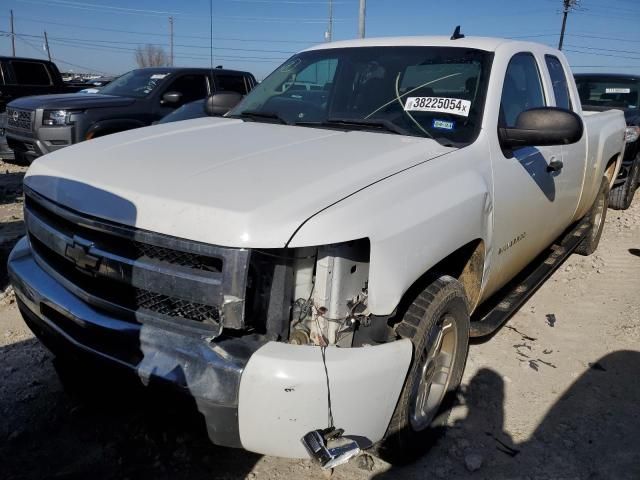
<point>622,195</point>
<point>597,217</point>
<point>437,322</point>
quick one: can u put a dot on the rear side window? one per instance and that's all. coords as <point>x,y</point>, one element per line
<point>192,87</point>
<point>30,73</point>
<point>522,89</point>
<point>230,83</point>
<point>559,81</point>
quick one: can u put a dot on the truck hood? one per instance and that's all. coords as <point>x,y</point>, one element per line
<point>71,101</point>
<point>222,181</point>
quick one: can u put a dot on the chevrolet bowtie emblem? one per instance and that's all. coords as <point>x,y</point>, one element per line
<point>78,251</point>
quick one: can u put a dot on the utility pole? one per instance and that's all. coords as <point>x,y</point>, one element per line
<point>46,45</point>
<point>171,36</point>
<point>568,5</point>
<point>13,36</point>
<point>328,36</point>
<point>363,8</point>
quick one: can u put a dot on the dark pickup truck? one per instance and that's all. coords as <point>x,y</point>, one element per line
<point>20,77</point>
<point>604,91</point>
<point>42,124</point>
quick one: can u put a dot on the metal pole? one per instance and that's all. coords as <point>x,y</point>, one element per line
<point>330,27</point>
<point>171,35</point>
<point>13,36</point>
<point>564,23</point>
<point>46,44</point>
<point>363,8</point>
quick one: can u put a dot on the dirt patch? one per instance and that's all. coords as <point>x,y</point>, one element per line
<point>11,224</point>
<point>554,394</point>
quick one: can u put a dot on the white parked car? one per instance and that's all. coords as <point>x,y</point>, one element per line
<point>340,233</point>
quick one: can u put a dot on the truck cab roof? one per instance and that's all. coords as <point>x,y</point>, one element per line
<point>488,44</point>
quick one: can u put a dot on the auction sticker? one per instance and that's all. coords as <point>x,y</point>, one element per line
<point>454,106</point>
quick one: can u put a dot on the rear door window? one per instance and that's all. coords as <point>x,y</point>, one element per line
<point>192,87</point>
<point>30,73</point>
<point>229,82</point>
<point>559,81</point>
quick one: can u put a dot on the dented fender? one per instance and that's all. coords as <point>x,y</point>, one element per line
<point>283,393</point>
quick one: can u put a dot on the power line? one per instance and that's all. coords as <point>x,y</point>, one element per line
<point>137,32</point>
<point>102,8</point>
<point>603,38</point>
<point>604,49</point>
<point>612,67</point>
<point>115,44</point>
<point>287,2</point>
<point>605,15</point>
<point>58,60</point>
<point>604,54</point>
<point>126,49</point>
<point>98,8</point>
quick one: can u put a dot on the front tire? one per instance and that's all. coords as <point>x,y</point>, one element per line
<point>437,323</point>
<point>20,158</point>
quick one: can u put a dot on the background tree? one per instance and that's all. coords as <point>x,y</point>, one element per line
<point>151,56</point>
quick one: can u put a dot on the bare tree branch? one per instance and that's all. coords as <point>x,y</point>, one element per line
<point>151,56</point>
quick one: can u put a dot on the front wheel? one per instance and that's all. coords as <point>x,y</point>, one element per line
<point>20,158</point>
<point>437,323</point>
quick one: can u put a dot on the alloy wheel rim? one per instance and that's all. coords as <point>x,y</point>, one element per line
<point>598,216</point>
<point>435,373</point>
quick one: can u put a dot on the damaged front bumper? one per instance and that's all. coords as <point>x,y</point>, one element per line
<point>208,371</point>
<point>256,394</point>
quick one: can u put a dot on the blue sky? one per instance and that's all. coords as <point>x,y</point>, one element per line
<point>257,35</point>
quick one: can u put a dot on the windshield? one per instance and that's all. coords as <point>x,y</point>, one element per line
<point>136,83</point>
<point>435,92</point>
<point>186,112</point>
<point>608,91</point>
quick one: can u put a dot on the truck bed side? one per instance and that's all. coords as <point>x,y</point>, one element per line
<point>603,144</point>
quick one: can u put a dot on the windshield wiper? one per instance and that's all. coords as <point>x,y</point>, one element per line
<point>377,123</point>
<point>256,114</point>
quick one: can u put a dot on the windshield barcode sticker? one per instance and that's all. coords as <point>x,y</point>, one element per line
<point>617,90</point>
<point>455,106</point>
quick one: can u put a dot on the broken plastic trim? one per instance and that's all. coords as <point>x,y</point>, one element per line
<point>329,448</point>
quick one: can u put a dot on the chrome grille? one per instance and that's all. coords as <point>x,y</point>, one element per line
<point>135,273</point>
<point>20,119</point>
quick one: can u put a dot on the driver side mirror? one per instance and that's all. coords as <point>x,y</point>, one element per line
<point>220,103</point>
<point>171,98</point>
<point>541,127</point>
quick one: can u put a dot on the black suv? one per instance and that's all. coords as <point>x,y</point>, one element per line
<point>20,77</point>
<point>604,91</point>
<point>41,124</point>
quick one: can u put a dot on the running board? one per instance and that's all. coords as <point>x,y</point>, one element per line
<point>515,294</point>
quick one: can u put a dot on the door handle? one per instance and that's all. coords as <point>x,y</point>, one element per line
<point>555,165</point>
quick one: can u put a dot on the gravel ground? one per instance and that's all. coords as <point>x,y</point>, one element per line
<point>553,395</point>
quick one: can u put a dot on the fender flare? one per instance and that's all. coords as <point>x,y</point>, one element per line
<point>113,126</point>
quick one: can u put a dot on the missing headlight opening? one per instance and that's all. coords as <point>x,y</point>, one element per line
<point>310,295</point>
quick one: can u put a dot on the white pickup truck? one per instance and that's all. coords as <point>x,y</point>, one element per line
<point>320,256</point>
